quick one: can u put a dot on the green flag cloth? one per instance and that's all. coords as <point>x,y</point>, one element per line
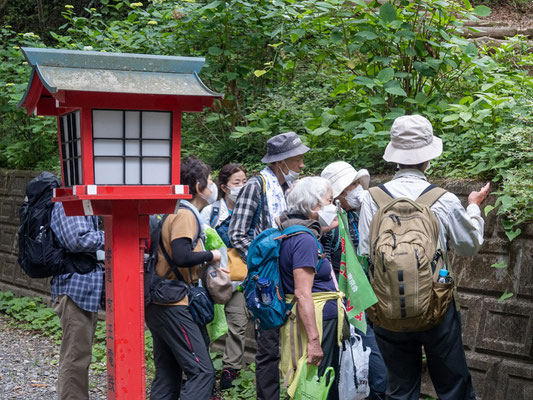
<point>352,279</point>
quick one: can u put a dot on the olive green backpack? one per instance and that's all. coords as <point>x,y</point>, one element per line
<point>405,260</point>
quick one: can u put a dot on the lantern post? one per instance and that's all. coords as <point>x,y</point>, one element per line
<point>119,126</point>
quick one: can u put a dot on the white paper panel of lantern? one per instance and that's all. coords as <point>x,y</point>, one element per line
<point>133,148</point>
<point>108,124</point>
<point>156,171</point>
<point>108,171</point>
<point>108,147</point>
<point>156,148</point>
<point>141,142</point>
<point>133,171</point>
<point>156,125</point>
<point>133,125</point>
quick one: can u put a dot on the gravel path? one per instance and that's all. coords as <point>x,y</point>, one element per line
<point>28,367</point>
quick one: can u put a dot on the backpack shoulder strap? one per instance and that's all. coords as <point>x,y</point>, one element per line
<point>294,230</point>
<point>214,214</point>
<point>430,195</point>
<point>170,262</point>
<point>198,224</point>
<point>381,195</point>
<point>262,181</point>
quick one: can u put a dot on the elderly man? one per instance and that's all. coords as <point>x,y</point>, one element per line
<point>412,146</point>
<point>261,201</point>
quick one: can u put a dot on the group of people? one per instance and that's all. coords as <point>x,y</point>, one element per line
<point>240,207</point>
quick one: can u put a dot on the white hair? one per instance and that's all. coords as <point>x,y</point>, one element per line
<point>306,194</point>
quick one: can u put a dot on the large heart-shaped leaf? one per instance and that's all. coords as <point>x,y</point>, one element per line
<point>387,12</point>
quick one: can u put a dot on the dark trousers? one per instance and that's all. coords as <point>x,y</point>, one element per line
<point>331,350</point>
<point>377,371</point>
<point>179,347</point>
<point>267,364</point>
<point>445,355</point>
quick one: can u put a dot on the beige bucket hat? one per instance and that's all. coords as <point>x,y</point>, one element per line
<point>340,175</point>
<point>412,141</point>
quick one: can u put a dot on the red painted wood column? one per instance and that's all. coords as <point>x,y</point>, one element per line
<point>125,231</point>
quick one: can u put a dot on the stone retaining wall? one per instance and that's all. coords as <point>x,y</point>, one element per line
<point>498,337</point>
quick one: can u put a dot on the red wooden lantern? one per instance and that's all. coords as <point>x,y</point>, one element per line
<point>119,124</point>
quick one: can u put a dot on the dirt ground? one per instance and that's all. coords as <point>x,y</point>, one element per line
<point>517,13</point>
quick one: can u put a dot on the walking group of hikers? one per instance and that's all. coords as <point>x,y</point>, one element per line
<point>285,229</point>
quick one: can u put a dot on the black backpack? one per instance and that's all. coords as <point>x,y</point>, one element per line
<point>40,256</point>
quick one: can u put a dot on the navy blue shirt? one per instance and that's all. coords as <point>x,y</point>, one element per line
<point>301,251</point>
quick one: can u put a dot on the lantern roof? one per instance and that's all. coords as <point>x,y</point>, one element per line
<point>94,71</point>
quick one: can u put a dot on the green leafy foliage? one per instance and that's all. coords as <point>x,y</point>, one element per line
<point>337,74</point>
<point>24,141</point>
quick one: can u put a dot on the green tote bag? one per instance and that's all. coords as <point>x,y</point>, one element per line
<point>312,387</point>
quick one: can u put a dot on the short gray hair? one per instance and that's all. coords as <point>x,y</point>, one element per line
<point>306,194</point>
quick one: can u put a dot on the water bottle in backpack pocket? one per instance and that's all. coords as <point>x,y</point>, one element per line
<point>266,304</point>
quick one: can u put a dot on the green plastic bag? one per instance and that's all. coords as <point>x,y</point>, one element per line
<point>312,387</point>
<point>212,240</point>
<point>219,325</point>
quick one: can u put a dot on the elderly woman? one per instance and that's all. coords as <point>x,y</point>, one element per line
<point>348,185</point>
<point>307,279</point>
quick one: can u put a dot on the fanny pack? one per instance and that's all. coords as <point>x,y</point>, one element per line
<point>201,305</point>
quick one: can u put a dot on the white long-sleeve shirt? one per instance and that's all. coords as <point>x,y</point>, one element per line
<point>460,229</point>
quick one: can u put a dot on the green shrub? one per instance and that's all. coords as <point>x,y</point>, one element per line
<point>338,73</point>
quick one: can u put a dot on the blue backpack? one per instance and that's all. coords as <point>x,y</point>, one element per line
<point>262,287</point>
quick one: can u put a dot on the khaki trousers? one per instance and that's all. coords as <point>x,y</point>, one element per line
<point>78,328</point>
<point>237,319</point>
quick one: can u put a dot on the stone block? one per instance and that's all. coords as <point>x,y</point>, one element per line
<point>483,370</point>
<point>476,272</point>
<point>506,328</point>
<point>515,381</point>
<point>470,305</point>
<point>8,239</point>
<point>9,211</point>
<point>527,231</point>
<point>7,268</point>
<point>522,266</point>
<point>41,286</point>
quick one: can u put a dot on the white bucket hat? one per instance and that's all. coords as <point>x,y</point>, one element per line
<point>412,141</point>
<point>340,175</point>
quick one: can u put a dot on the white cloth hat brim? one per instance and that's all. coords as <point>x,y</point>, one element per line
<point>413,156</point>
<point>346,180</point>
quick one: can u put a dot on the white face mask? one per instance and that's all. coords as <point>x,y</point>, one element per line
<point>291,176</point>
<point>326,215</point>
<point>353,197</point>
<point>213,196</point>
<point>234,193</point>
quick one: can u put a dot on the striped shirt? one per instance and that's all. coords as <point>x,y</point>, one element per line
<point>78,235</point>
